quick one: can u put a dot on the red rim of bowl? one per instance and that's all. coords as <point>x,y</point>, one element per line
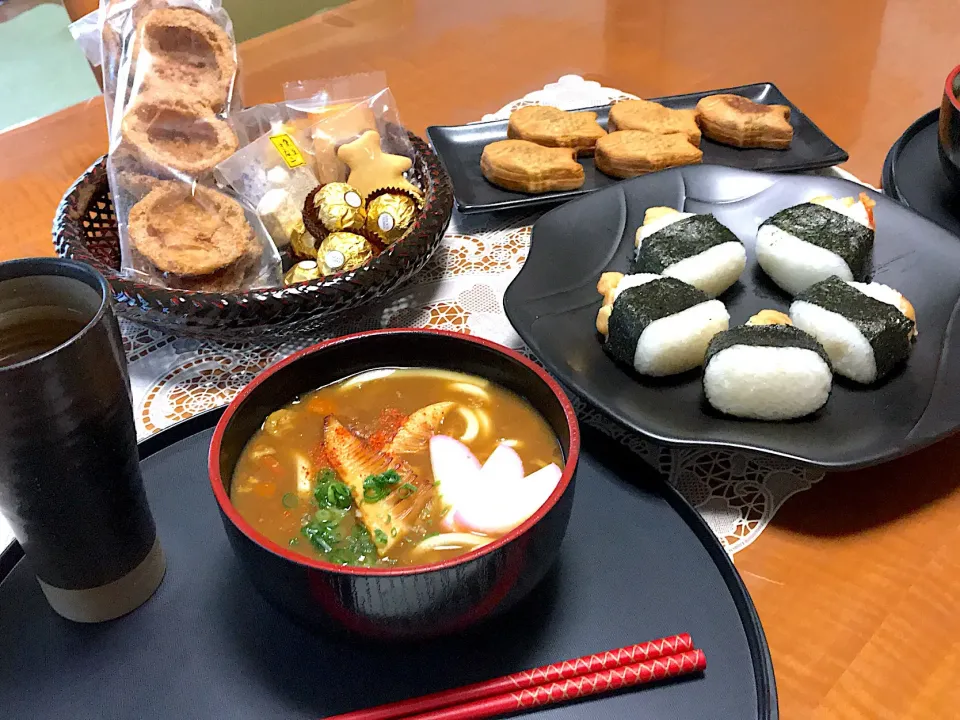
<point>948,90</point>
<point>223,500</point>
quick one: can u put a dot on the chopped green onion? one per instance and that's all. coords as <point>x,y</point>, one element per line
<point>330,492</point>
<point>380,536</point>
<point>290,500</point>
<point>393,533</point>
<point>338,495</point>
<point>293,541</point>
<point>377,487</point>
<point>327,475</point>
<point>322,536</point>
<point>406,490</point>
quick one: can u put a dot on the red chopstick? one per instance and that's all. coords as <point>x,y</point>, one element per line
<point>575,667</point>
<point>578,687</point>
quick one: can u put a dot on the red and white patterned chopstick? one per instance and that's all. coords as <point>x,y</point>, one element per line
<point>558,682</point>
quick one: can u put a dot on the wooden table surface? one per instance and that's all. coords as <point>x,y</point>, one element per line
<point>857,581</point>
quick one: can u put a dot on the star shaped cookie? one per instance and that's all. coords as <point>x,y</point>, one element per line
<point>372,169</point>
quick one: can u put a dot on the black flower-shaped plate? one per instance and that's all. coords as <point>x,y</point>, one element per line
<point>553,305</point>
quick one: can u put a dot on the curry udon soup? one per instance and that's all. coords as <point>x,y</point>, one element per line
<point>397,467</point>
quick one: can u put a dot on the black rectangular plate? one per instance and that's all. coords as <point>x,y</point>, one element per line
<point>553,305</point>
<point>460,146</point>
<point>207,646</point>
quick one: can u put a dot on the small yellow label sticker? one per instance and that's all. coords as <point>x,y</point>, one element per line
<point>288,150</point>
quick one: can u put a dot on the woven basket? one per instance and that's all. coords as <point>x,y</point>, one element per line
<point>85,228</point>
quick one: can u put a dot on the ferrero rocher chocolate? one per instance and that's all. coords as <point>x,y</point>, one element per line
<point>339,207</point>
<point>390,213</point>
<point>304,246</point>
<point>332,262</point>
<point>302,272</point>
<point>356,250</point>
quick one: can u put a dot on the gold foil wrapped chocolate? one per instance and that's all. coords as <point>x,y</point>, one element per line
<point>339,207</point>
<point>354,249</point>
<point>332,262</point>
<point>390,214</point>
<point>302,272</point>
<point>304,246</point>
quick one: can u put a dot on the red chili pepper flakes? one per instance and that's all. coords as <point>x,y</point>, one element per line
<point>388,424</point>
<point>318,456</point>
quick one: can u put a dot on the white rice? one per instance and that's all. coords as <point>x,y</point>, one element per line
<point>848,350</point>
<point>712,271</point>
<point>856,211</point>
<point>677,343</point>
<point>795,264</point>
<point>767,383</point>
<point>629,281</point>
<point>645,231</point>
<point>881,292</point>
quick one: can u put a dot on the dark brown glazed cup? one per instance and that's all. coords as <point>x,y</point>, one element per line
<point>70,481</point>
<point>409,602</point>
<point>948,146</point>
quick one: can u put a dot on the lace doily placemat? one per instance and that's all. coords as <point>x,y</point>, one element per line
<point>462,289</point>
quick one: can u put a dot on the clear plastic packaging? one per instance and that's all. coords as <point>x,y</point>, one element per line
<point>346,109</point>
<point>169,81</point>
<point>86,33</point>
<point>271,173</point>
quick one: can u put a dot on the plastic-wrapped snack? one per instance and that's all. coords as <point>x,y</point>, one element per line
<point>198,239</point>
<point>186,52</point>
<point>254,122</point>
<point>170,69</point>
<point>170,137</point>
<point>272,175</point>
<point>182,49</point>
<point>345,110</point>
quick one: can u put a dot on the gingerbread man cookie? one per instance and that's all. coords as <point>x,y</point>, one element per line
<point>372,169</point>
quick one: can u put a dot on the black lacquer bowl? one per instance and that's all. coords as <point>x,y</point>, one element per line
<point>948,134</point>
<point>85,228</point>
<point>406,602</point>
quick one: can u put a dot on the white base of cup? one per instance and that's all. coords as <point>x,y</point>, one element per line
<point>93,605</point>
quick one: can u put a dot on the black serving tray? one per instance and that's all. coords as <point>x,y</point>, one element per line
<point>459,148</point>
<point>912,174</point>
<point>638,563</point>
<point>553,305</point>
